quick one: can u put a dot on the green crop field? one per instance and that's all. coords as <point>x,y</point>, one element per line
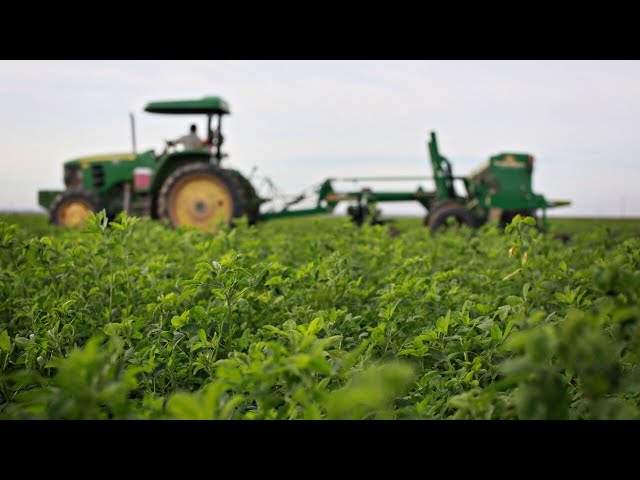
<point>314,318</point>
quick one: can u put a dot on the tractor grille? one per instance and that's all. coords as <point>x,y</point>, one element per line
<point>97,176</point>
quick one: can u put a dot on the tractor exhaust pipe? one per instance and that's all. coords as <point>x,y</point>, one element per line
<point>127,198</point>
<point>133,132</point>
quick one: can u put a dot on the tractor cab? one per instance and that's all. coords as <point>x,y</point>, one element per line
<point>213,107</point>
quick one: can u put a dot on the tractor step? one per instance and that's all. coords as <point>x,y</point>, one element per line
<point>142,206</point>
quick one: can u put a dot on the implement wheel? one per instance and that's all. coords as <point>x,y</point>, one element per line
<point>439,218</point>
<point>439,205</point>
<point>508,215</point>
<point>72,207</point>
<point>201,195</point>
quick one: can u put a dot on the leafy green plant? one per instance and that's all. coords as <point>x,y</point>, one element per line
<point>316,319</point>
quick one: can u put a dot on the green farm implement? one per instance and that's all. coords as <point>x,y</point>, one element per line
<point>190,187</point>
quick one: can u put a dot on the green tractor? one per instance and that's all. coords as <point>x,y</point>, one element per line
<point>184,187</point>
<point>190,187</point>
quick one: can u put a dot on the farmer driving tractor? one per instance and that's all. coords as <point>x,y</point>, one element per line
<point>191,141</point>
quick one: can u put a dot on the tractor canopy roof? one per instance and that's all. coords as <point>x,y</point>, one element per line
<point>207,105</point>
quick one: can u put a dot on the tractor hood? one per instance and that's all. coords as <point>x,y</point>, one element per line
<point>109,157</point>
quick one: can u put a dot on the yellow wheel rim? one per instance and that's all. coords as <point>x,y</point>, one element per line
<point>73,213</point>
<point>201,201</point>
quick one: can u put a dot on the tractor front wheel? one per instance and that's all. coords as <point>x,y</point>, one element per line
<point>440,217</point>
<point>72,207</point>
<point>201,195</point>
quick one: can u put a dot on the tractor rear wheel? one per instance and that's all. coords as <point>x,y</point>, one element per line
<point>71,207</point>
<point>440,216</point>
<point>253,206</point>
<point>201,195</point>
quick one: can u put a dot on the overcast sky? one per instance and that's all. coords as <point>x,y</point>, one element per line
<point>299,122</point>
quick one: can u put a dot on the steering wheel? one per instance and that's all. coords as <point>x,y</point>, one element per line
<point>169,145</point>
